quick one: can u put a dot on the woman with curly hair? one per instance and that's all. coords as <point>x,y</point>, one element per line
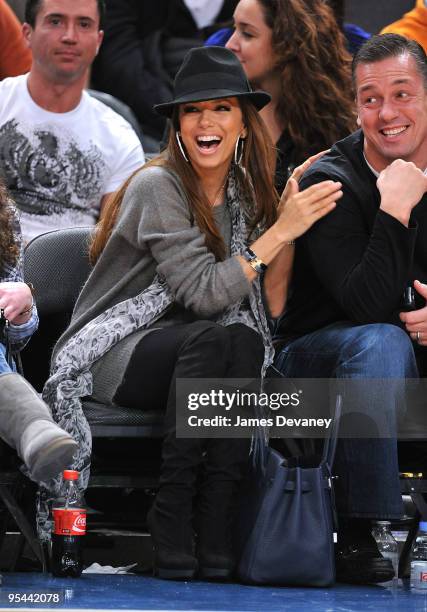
<point>295,50</point>
<point>16,300</point>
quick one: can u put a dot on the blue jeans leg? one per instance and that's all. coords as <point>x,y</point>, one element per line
<point>368,483</point>
<point>4,366</point>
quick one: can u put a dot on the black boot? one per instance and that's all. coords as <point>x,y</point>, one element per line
<point>357,558</point>
<point>169,522</point>
<point>225,462</point>
<point>215,514</point>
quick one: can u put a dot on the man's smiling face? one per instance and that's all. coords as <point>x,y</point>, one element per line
<point>392,105</point>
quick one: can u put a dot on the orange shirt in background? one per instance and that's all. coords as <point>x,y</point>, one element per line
<point>412,25</point>
<point>15,57</point>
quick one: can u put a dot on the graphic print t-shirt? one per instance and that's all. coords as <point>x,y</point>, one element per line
<point>57,166</point>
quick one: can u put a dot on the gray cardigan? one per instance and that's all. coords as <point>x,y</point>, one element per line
<point>154,233</point>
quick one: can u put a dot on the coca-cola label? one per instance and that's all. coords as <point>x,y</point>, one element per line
<point>69,522</point>
<point>423,576</point>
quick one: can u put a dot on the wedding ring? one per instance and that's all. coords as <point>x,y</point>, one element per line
<point>418,337</point>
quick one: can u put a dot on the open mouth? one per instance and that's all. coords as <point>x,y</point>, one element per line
<point>392,132</point>
<point>208,143</point>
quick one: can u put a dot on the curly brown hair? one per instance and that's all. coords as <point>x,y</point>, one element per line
<point>9,248</point>
<point>316,103</point>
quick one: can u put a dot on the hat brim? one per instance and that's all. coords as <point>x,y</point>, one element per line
<point>258,98</point>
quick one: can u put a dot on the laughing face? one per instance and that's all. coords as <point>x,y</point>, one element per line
<point>209,131</point>
<point>392,107</point>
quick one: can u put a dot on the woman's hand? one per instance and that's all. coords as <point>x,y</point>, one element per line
<point>15,298</point>
<point>298,211</point>
<point>299,170</point>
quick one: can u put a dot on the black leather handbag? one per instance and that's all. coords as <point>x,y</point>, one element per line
<point>287,518</point>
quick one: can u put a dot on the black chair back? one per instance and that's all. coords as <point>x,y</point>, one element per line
<point>57,264</point>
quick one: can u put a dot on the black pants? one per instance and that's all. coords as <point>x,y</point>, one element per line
<point>202,349</point>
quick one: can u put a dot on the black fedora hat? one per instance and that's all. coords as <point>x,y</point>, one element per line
<point>211,73</point>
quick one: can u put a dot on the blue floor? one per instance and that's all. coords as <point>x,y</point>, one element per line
<point>102,592</point>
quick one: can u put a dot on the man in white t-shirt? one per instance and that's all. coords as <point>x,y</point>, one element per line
<point>61,151</point>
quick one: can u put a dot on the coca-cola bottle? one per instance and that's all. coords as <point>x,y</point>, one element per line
<point>69,517</point>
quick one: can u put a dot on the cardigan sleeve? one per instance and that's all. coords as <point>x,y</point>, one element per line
<point>165,227</point>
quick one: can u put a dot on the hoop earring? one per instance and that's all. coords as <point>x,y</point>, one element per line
<point>238,154</point>
<point>181,148</point>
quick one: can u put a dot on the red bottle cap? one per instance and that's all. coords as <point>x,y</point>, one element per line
<point>70,475</point>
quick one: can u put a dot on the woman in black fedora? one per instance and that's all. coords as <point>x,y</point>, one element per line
<point>175,294</point>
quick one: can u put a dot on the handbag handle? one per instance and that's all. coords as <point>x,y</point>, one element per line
<point>259,447</point>
<point>330,443</point>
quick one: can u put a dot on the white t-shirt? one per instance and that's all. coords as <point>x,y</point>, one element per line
<point>204,12</point>
<point>58,166</point>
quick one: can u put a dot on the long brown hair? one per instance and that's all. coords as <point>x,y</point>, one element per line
<point>256,182</point>
<point>316,102</point>
<point>9,248</point>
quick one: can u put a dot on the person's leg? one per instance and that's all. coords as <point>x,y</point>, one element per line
<point>368,484</point>
<point>197,350</point>
<point>368,470</point>
<point>26,424</point>
<point>225,461</point>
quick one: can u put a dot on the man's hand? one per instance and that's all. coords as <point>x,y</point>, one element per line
<point>401,185</point>
<point>416,321</point>
<point>15,298</point>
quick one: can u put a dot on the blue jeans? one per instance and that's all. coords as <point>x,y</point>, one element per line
<point>367,469</point>
<point>4,366</point>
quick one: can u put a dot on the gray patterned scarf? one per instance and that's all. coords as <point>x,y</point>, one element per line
<point>71,378</point>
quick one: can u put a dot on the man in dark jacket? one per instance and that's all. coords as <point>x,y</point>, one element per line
<point>144,45</point>
<point>344,317</point>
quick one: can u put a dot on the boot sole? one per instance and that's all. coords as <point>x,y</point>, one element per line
<point>214,573</point>
<point>373,575</point>
<point>57,456</point>
<point>174,574</point>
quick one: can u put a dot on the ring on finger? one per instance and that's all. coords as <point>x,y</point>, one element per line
<point>418,336</point>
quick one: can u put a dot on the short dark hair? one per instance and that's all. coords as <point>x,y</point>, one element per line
<point>383,46</point>
<point>32,9</point>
